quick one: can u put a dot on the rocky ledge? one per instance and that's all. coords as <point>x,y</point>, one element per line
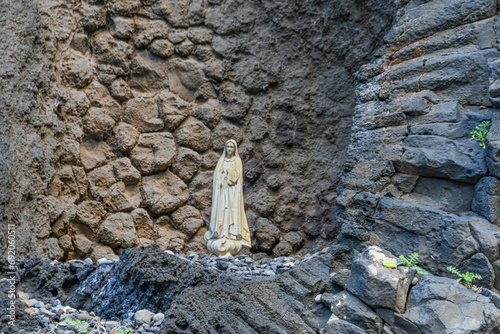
<point>342,289</point>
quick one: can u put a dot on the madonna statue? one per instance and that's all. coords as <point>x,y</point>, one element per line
<point>228,231</point>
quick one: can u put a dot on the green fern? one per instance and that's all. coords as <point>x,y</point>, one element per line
<point>467,278</point>
<point>480,132</point>
<point>411,262</point>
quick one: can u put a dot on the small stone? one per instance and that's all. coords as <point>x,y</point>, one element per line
<point>39,304</point>
<point>84,317</point>
<point>414,281</point>
<point>222,265</point>
<point>104,261</point>
<point>317,299</point>
<point>143,316</point>
<point>88,261</point>
<point>159,317</point>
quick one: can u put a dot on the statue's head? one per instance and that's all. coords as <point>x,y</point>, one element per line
<point>231,147</point>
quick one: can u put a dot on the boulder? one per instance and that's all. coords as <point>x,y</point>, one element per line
<point>121,197</point>
<point>145,227</point>
<point>122,27</point>
<point>82,245</point>
<point>101,179</point>
<point>283,248</point>
<point>120,90</point>
<point>194,134</point>
<point>487,236</point>
<point>143,316</point>
<point>125,172</point>
<point>102,251</point>
<point>154,152</point>
<point>209,113</point>
<point>459,160</point>
<point>141,112</point>
<point>336,325</point>
<point>91,17</point>
<point>185,48</point>
<point>64,185</point>
<point>450,196</point>
<point>148,73</point>
<point>186,77</point>
<point>95,153</point>
<point>172,109</point>
<point>479,264</point>
<point>163,192</point>
<point>125,7</point>
<point>148,30</point>
<point>237,104</point>
<point>418,227</point>
<point>377,285</point>
<point>187,219</point>
<point>349,308</point>
<point>98,124</point>
<point>170,239</point>
<point>90,213</point>
<point>77,70</point>
<point>442,305</point>
<point>126,136</point>
<point>186,164</point>
<point>266,234</point>
<point>162,48</point>
<point>486,199</point>
<point>108,51</point>
<point>118,231</point>
<point>225,131</point>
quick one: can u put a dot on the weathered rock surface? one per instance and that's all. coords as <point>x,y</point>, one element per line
<point>297,299</point>
<point>93,83</point>
<point>413,180</point>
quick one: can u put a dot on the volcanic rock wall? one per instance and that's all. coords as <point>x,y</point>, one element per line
<point>414,181</point>
<point>130,103</point>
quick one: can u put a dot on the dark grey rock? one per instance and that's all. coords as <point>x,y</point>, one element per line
<point>377,285</point>
<point>441,239</point>
<point>442,194</point>
<point>479,264</point>
<point>486,199</point>
<point>433,299</point>
<point>487,236</point>
<point>349,308</point>
<point>459,160</point>
<point>494,297</point>
<point>336,325</point>
<point>496,269</point>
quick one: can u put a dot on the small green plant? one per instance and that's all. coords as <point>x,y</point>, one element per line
<point>480,132</point>
<point>411,262</point>
<point>124,331</point>
<point>85,331</point>
<point>467,278</point>
<point>75,322</point>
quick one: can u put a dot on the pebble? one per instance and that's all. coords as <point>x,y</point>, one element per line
<point>88,261</point>
<point>32,302</point>
<point>104,261</point>
<point>39,304</point>
<point>84,317</point>
<point>159,317</point>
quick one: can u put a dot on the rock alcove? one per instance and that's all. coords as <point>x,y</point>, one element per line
<point>353,121</point>
<point>122,109</point>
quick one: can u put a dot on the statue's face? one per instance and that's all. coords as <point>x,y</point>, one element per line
<point>230,148</point>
